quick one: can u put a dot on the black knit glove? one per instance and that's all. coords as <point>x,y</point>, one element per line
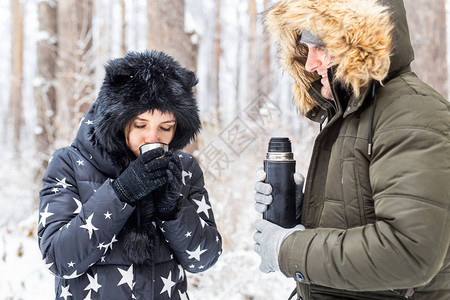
<point>144,175</point>
<point>168,204</point>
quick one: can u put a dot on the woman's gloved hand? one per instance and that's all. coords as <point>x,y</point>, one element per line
<point>168,205</point>
<point>143,176</point>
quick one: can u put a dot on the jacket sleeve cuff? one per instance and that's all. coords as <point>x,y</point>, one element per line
<point>293,254</point>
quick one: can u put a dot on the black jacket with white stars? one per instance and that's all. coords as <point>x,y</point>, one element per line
<point>90,241</point>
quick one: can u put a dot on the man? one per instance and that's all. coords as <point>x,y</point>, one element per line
<point>376,204</point>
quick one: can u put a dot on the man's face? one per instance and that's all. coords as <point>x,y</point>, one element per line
<point>319,61</point>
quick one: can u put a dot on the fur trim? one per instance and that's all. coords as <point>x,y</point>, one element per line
<point>138,243</point>
<point>137,83</point>
<point>357,33</point>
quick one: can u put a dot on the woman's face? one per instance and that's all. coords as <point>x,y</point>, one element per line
<point>150,127</point>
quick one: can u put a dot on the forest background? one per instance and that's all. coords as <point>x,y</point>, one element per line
<point>52,62</point>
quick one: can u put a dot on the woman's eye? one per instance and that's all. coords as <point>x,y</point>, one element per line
<point>166,129</point>
<point>139,126</point>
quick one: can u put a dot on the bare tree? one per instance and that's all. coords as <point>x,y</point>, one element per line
<point>217,56</point>
<point>252,50</point>
<point>428,35</point>
<point>103,14</point>
<point>123,40</point>
<point>45,90</point>
<point>265,79</point>
<point>237,77</point>
<point>75,65</point>
<point>166,33</point>
<point>15,100</point>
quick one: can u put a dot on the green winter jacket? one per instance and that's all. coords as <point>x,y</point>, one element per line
<point>378,224</point>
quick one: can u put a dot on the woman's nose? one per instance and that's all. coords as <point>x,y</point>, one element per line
<point>151,137</point>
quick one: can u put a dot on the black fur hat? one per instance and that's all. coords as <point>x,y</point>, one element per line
<point>139,82</point>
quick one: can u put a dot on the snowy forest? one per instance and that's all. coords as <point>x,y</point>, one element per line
<point>52,61</point>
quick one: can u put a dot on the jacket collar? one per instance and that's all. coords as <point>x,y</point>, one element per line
<point>90,148</point>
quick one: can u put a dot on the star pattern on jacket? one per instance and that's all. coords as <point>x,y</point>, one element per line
<point>107,215</point>
<point>88,296</point>
<point>203,207</point>
<point>93,283</point>
<point>89,226</point>
<point>127,277</point>
<point>65,292</point>
<point>168,284</point>
<point>185,174</point>
<point>181,272</point>
<point>48,266</point>
<point>203,222</point>
<point>196,253</point>
<point>63,183</point>
<point>73,275</point>
<point>45,215</point>
<point>79,205</point>
<point>109,245</point>
<point>183,296</point>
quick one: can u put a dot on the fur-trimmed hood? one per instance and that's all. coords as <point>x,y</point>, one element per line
<point>368,39</point>
<point>137,83</point>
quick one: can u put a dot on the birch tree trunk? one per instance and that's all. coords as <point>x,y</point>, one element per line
<point>15,100</point>
<point>237,78</point>
<point>75,65</point>
<point>252,51</point>
<point>266,70</point>
<point>45,90</point>
<point>217,54</point>
<point>427,28</point>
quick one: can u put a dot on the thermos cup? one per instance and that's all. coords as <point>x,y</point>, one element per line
<point>279,166</point>
<point>150,146</point>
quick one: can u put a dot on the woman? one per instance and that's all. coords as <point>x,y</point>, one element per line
<point>115,224</point>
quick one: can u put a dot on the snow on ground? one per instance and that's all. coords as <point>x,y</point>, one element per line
<point>23,274</point>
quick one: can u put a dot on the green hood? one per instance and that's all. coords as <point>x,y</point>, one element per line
<point>368,39</point>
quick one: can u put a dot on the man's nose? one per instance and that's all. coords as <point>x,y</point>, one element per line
<point>312,61</point>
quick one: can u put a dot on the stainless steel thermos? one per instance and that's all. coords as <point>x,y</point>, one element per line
<point>279,166</point>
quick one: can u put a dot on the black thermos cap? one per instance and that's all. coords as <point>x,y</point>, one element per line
<point>280,144</point>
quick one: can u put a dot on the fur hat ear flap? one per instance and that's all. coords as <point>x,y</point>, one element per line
<point>141,82</point>
<point>186,114</point>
